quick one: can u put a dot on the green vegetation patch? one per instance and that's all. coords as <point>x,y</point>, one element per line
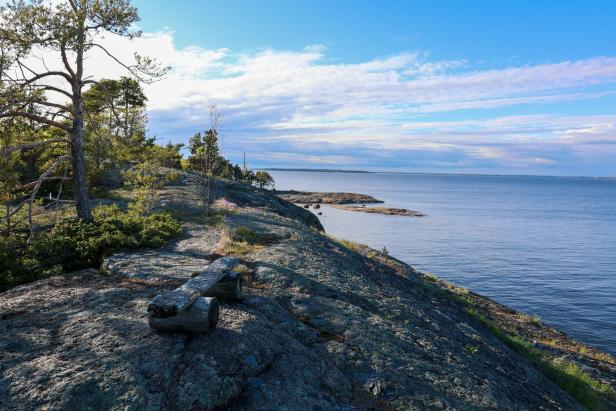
<point>351,245</point>
<point>243,240</point>
<point>246,235</point>
<point>588,391</point>
<point>568,376</point>
<point>73,244</point>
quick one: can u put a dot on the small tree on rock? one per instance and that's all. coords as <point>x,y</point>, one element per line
<point>264,180</point>
<point>205,156</point>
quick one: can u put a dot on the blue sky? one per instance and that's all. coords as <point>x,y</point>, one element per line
<point>511,87</point>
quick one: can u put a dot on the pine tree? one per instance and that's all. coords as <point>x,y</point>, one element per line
<point>70,29</point>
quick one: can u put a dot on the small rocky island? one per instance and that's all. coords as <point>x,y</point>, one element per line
<point>381,210</point>
<point>343,201</point>
<point>305,197</point>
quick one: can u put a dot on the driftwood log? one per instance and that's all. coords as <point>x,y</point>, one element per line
<point>178,300</point>
<point>228,288</point>
<point>200,317</point>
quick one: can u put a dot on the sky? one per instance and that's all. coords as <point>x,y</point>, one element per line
<point>502,87</point>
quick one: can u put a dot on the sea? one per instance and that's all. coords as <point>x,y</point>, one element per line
<point>542,245</point>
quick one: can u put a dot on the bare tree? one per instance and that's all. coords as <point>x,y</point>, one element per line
<point>205,157</point>
<point>54,96</point>
<point>212,152</point>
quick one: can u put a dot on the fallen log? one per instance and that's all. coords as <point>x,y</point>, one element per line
<point>173,302</point>
<point>228,288</point>
<point>200,317</point>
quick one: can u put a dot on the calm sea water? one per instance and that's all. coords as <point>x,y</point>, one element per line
<point>542,245</point>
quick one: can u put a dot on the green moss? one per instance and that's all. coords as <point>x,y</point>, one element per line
<point>241,240</point>
<point>588,391</point>
<point>429,277</point>
<point>535,319</point>
<point>214,219</point>
<point>240,248</point>
<point>216,216</point>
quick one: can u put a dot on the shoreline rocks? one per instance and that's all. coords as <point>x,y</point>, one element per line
<point>305,197</point>
<point>343,201</point>
<point>381,210</point>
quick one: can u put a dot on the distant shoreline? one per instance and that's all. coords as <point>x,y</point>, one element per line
<point>328,170</point>
<point>318,170</point>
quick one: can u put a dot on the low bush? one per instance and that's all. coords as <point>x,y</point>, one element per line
<point>245,235</point>
<point>73,244</point>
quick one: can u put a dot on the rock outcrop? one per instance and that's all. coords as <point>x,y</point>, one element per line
<point>381,210</point>
<point>304,197</point>
<point>321,327</point>
<point>180,195</point>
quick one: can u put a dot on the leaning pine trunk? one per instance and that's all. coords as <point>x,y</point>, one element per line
<point>82,202</point>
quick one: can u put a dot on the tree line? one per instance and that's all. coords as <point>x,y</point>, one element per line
<point>65,135</point>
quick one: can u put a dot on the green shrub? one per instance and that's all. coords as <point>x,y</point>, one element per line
<point>246,235</point>
<point>73,244</point>
<point>17,266</point>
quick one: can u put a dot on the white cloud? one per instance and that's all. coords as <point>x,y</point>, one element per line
<point>403,83</point>
<point>271,97</point>
<point>288,157</point>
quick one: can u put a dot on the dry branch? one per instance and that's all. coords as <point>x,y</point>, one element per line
<point>27,146</point>
<point>37,186</point>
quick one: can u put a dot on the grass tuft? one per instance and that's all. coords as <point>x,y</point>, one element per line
<point>240,241</point>
<point>351,245</point>
<point>473,349</point>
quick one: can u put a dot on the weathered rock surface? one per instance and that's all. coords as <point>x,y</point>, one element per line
<point>182,197</point>
<point>320,328</point>
<point>304,197</point>
<point>175,263</point>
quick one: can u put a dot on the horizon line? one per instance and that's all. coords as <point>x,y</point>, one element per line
<point>332,170</point>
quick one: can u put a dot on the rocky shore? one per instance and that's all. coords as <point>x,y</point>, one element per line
<point>324,325</point>
<point>343,201</point>
<point>381,210</point>
<point>304,197</point>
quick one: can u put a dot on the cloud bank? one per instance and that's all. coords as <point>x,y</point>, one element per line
<point>401,112</point>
